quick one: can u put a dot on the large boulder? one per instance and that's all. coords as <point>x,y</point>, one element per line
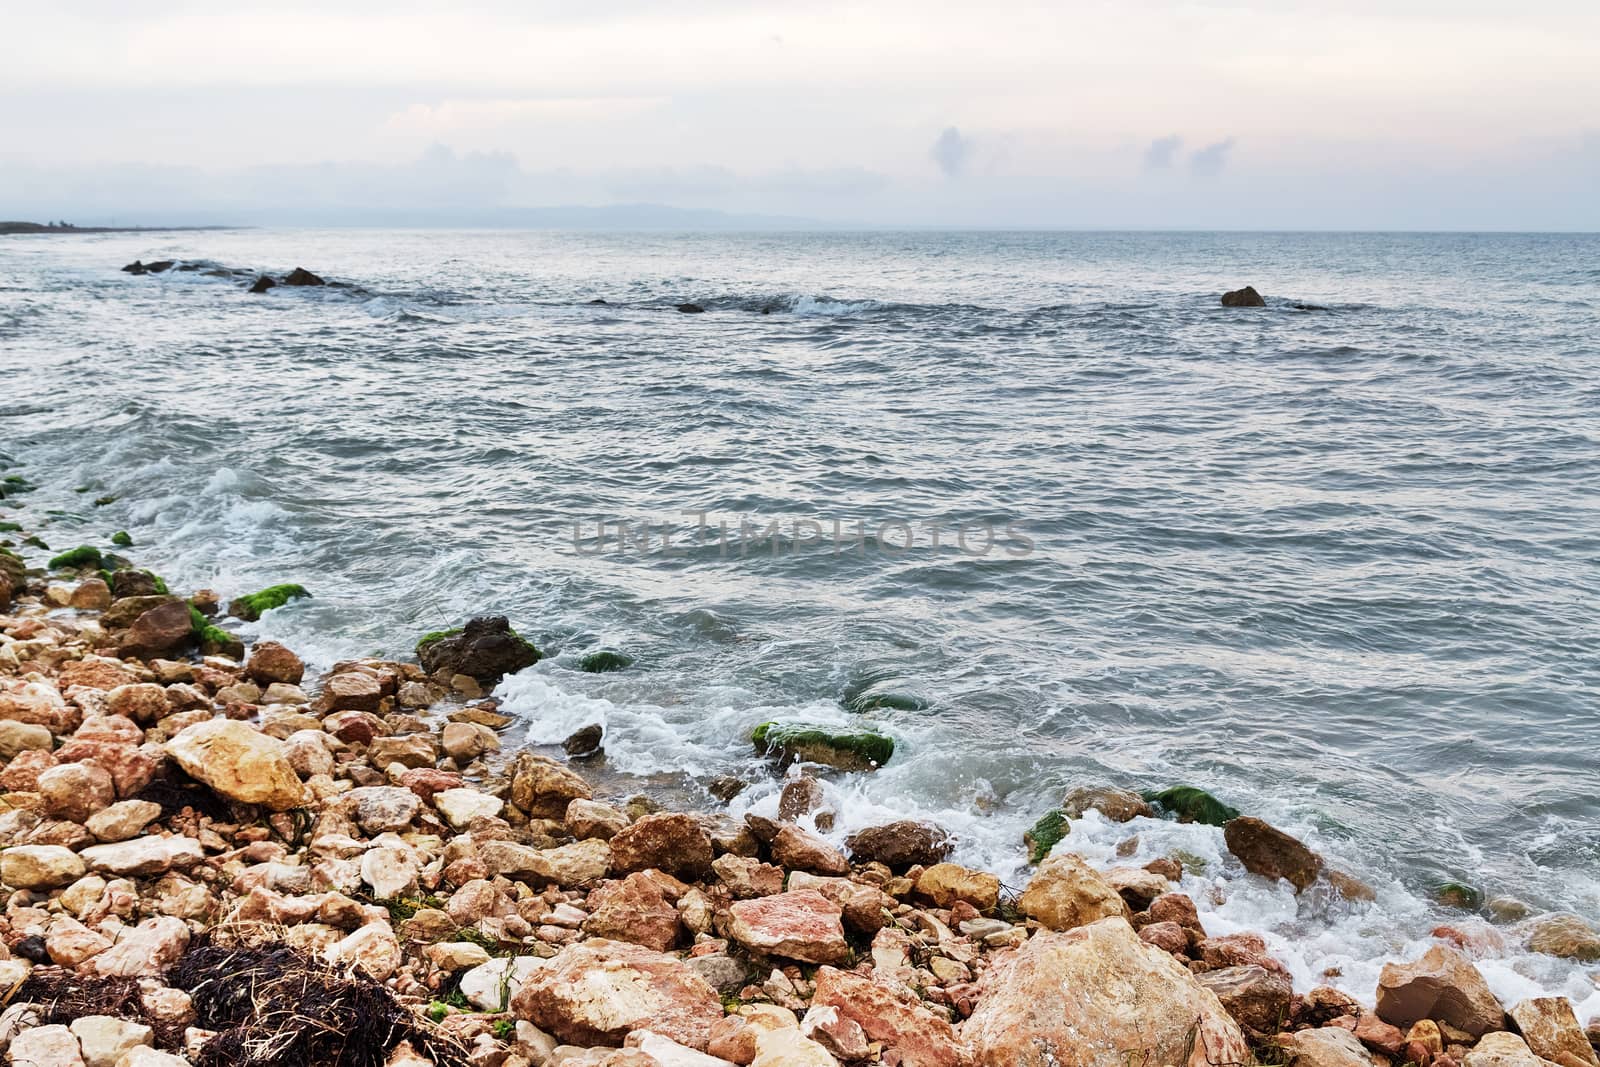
<point>671,842</point>
<point>1502,1049</point>
<point>487,649</point>
<point>1243,298</point>
<point>798,925</point>
<point>1067,892</point>
<point>239,762</point>
<point>1550,1028</point>
<point>1097,996</point>
<point>40,866</point>
<point>1271,853</point>
<point>543,788</point>
<point>1442,985</point>
<point>1118,805</point>
<point>164,630</point>
<point>633,910</point>
<point>1566,935</point>
<point>842,749</point>
<point>902,844</point>
<point>901,1023</point>
<point>597,992</point>
<point>1258,999</point>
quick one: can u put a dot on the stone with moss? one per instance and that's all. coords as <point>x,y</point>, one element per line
<point>1459,895</point>
<point>10,527</point>
<point>433,637</point>
<point>253,605</point>
<point>122,539</point>
<point>77,558</point>
<point>213,639</point>
<point>103,501</point>
<point>35,541</point>
<point>863,702</point>
<point>846,750</point>
<point>1043,835</point>
<point>486,648</point>
<point>604,661</point>
<point>1189,804</point>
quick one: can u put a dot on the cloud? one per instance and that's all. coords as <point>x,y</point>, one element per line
<point>1160,154</point>
<point>1210,160</point>
<point>457,114</point>
<point>951,151</point>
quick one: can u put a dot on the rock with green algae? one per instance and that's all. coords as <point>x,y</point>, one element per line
<point>1042,836</point>
<point>605,660</point>
<point>253,605</point>
<point>1189,804</point>
<point>122,539</point>
<point>10,527</point>
<point>486,648</point>
<point>213,639</point>
<point>1459,895</point>
<point>76,558</point>
<point>846,750</point>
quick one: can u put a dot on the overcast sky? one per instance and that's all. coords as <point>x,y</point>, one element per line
<point>1253,113</point>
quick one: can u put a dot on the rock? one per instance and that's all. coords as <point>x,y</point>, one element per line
<point>595,993</point>
<point>38,704</point>
<point>1118,805</point>
<point>92,594</point>
<point>416,751</point>
<point>301,276</point>
<point>920,1037</point>
<point>604,661</point>
<point>149,949</point>
<point>1550,1028</point>
<point>144,702</point>
<point>1243,298</point>
<point>460,806</point>
<point>1094,996</point>
<point>1137,886</point>
<point>747,877</point>
<point>1442,985</point>
<point>1167,936</point>
<point>691,309</point>
<point>453,956</point>
<point>570,866</point>
<point>262,284</point>
<point>798,925</point>
<point>839,1035</point>
<point>18,737</point>
<point>271,662</point>
<point>673,843</point>
<point>946,883</point>
<point>350,691</point>
<point>1067,892</point>
<point>238,762</point>
<point>466,741</point>
<point>391,872</point>
<point>588,818</point>
<point>543,788</point>
<point>252,606</point>
<point>144,856</point>
<point>1271,853</point>
<point>46,1046</point>
<point>1329,1046</point>
<point>491,986</point>
<point>1564,935</point>
<point>373,948</point>
<point>1258,999</point>
<point>1502,1049</point>
<point>585,741</point>
<point>801,850</point>
<point>845,750</point>
<point>382,809</point>
<point>902,844</point>
<point>788,1047</point>
<point>486,649</point>
<point>1239,950</point>
<point>161,631</point>
<point>105,1038</point>
<point>40,866</point>
<point>800,796</point>
<point>1188,804</point>
<point>75,791</point>
<point>633,910</point>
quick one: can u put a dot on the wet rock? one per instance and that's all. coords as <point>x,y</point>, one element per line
<point>301,276</point>
<point>1067,892</point>
<point>1271,853</point>
<point>902,844</point>
<point>40,866</point>
<point>597,992</point>
<point>238,762</point>
<point>415,751</point>
<point>1089,995</point>
<point>161,631</point>
<point>486,649</point>
<point>946,883</point>
<point>271,662</point>
<point>1118,805</point>
<point>801,850</point>
<point>1243,298</point>
<point>262,284</point>
<point>798,925</point>
<point>1502,1049</point>
<point>1239,950</point>
<point>800,796</point>
<point>92,594</point>
<point>633,910</point>
<point>1188,804</point>
<point>585,741</point>
<point>1550,1028</point>
<point>543,788</point>
<point>1564,935</point>
<point>845,750</point>
<point>920,1037</point>
<point>590,818</point>
<point>691,309</point>
<point>1258,999</point>
<point>673,843</point>
<point>1330,1046</point>
<point>1442,985</point>
<point>252,606</point>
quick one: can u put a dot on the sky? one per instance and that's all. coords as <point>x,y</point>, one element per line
<point>1314,114</point>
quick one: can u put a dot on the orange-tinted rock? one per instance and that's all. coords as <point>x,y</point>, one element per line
<point>597,992</point>
<point>798,925</point>
<point>920,1037</point>
<point>1442,985</point>
<point>670,842</point>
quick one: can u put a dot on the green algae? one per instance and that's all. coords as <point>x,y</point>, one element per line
<point>1043,835</point>
<point>253,605</point>
<point>1189,804</point>
<point>74,558</point>
<point>604,661</point>
<point>848,750</point>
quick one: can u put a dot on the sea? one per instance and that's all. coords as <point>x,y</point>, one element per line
<point>1033,504</point>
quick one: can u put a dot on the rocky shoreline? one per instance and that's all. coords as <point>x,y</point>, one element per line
<point>209,857</point>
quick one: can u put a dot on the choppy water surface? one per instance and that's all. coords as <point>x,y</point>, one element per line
<point>1338,566</point>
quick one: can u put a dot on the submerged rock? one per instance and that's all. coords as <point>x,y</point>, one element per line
<point>1118,805</point>
<point>301,276</point>
<point>901,844</point>
<point>1188,804</point>
<point>262,284</point>
<point>486,649</point>
<point>808,743</point>
<point>1044,835</point>
<point>604,661</point>
<point>1243,298</point>
<point>252,606</point>
<point>690,309</point>
<point>584,741</point>
<point>1094,997</point>
<point>1271,853</point>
